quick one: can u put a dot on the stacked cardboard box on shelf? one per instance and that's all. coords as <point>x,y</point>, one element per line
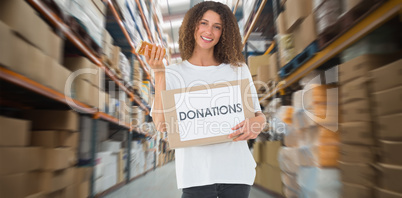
<point>137,162</point>
<point>19,174</point>
<point>268,174</point>
<point>56,133</point>
<point>137,75</point>
<point>263,70</point>
<point>326,13</point>
<point>367,95</point>
<point>296,29</point>
<point>34,54</point>
<point>311,140</point>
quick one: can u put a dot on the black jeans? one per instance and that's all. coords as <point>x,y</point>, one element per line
<point>217,190</point>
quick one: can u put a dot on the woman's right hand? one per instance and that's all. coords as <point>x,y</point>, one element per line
<point>154,59</point>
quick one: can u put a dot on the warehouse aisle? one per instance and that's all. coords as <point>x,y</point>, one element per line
<point>161,183</point>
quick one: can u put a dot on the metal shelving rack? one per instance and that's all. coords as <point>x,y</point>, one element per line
<point>372,21</point>
<point>60,25</point>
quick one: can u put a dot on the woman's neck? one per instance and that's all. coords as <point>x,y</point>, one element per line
<point>203,58</point>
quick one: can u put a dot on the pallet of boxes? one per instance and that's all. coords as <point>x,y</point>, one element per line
<point>264,70</point>
<point>309,159</point>
<point>371,137</point>
<point>41,154</point>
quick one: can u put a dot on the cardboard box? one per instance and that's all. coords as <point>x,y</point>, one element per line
<point>58,158</point>
<point>256,61</point>
<point>357,111</point>
<point>20,159</point>
<point>22,19</point>
<point>37,65</point>
<point>5,43</point>
<point>18,185</point>
<point>388,101</point>
<point>58,76</point>
<point>272,178</point>
<point>55,47</point>
<point>112,146</point>
<point>82,174</point>
<point>281,23</point>
<point>390,152</point>
<point>52,119</point>
<point>387,77</point>
<point>304,34</point>
<point>361,65</point>
<point>356,153</point>
<point>14,132</point>
<point>355,190</point>
<point>82,91</point>
<point>357,133</point>
<point>86,69</point>
<point>236,89</point>
<point>54,139</point>
<point>257,151</point>
<point>24,51</point>
<point>270,152</point>
<point>382,193</point>
<point>388,127</point>
<point>358,173</point>
<point>51,181</point>
<point>296,11</point>
<point>389,177</point>
<point>354,90</point>
<point>37,195</point>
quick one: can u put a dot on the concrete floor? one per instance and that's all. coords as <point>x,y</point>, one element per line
<point>161,183</point>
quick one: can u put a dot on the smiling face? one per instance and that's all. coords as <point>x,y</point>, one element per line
<point>208,31</point>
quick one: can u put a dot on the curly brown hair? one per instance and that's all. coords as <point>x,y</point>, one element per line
<point>229,47</point>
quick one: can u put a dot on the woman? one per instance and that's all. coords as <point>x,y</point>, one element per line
<point>210,46</point>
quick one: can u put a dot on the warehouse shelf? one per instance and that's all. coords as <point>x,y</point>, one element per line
<point>124,30</point>
<point>254,21</point>
<point>34,86</point>
<point>144,21</point>
<point>382,14</point>
<point>60,25</point>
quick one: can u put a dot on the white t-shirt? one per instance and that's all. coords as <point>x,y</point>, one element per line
<point>230,162</point>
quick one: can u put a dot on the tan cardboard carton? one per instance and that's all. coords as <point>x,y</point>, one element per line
<point>52,119</point>
<point>355,190</point>
<point>84,67</point>
<point>241,99</point>
<point>357,133</point>
<point>388,101</point>
<point>58,158</point>
<point>382,193</point>
<point>305,34</point>
<point>18,185</point>
<point>389,177</point>
<point>387,77</point>
<point>5,43</point>
<point>356,154</point>
<point>388,127</point>
<point>58,78</point>
<point>20,159</point>
<point>296,11</point>
<point>270,153</point>
<point>358,111</point>
<point>360,66</point>
<point>54,139</point>
<point>358,173</point>
<point>51,181</point>
<point>21,18</point>
<point>14,132</point>
<point>354,90</point>
<point>390,152</point>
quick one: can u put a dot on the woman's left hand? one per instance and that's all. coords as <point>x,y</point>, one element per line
<point>250,128</point>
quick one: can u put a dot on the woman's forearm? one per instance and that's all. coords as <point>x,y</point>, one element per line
<point>157,111</point>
